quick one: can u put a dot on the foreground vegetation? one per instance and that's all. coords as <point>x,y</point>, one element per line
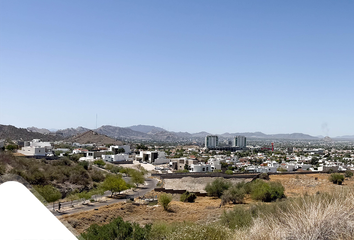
<point>320,216</point>
<point>69,178</point>
<point>258,190</point>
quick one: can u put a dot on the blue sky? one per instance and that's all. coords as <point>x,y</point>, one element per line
<point>216,66</point>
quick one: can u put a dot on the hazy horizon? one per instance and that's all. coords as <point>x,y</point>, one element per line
<point>190,66</point>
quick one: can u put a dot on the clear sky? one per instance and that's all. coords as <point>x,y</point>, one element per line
<point>187,65</point>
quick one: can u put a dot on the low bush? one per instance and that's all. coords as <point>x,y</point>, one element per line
<point>234,194</point>
<point>348,174</point>
<point>264,176</point>
<point>230,172</point>
<point>97,176</point>
<point>336,178</point>
<point>217,187</point>
<point>188,197</point>
<point>266,192</point>
<point>117,229</point>
<point>164,200</point>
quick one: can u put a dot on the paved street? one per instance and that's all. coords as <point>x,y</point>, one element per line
<point>66,207</point>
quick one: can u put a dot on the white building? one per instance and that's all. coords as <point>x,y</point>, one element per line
<point>116,148</point>
<point>116,157</point>
<point>211,141</point>
<point>33,151</point>
<point>36,148</point>
<point>200,167</point>
<point>153,157</point>
<point>240,141</point>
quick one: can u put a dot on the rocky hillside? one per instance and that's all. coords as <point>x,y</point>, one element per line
<point>93,137</point>
<point>14,133</point>
<point>69,132</point>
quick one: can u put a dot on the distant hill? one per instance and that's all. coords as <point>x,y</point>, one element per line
<point>68,132</point>
<point>146,128</point>
<point>39,130</point>
<point>118,132</point>
<point>93,137</point>
<point>345,137</point>
<point>14,133</point>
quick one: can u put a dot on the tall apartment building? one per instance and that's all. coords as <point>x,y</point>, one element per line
<point>211,141</point>
<point>240,141</point>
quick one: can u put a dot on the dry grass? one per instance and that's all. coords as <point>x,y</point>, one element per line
<point>298,185</point>
<point>204,210</point>
<point>321,216</point>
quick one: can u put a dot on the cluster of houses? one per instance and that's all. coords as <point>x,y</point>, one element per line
<point>263,163</point>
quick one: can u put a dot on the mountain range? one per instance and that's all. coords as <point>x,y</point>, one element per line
<point>138,132</point>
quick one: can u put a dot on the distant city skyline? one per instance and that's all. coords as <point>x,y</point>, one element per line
<point>190,66</point>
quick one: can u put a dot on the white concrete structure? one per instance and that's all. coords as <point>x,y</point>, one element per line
<point>153,157</point>
<point>116,157</point>
<point>214,164</point>
<point>211,141</point>
<point>115,149</point>
<point>240,141</point>
<point>200,167</point>
<point>33,151</point>
<point>80,150</point>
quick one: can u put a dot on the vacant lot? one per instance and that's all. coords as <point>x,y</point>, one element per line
<point>297,185</point>
<point>205,209</point>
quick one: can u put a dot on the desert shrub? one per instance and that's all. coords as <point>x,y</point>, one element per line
<point>266,192</point>
<point>80,176</point>
<point>217,187</point>
<point>99,162</point>
<point>117,229</point>
<point>48,192</point>
<point>230,172</point>
<point>164,200</point>
<point>97,176</point>
<point>239,217</point>
<point>188,197</point>
<point>234,195</point>
<point>336,178</point>
<point>348,174</point>
<point>264,176</point>
<point>84,164</point>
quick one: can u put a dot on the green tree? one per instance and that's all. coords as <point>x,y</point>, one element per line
<point>49,193</point>
<point>120,150</point>
<point>114,184</point>
<point>164,200</point>
<point>99,163</point>
<point>137,178</point>
<point>11,147</point>
<point>217,187</point>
